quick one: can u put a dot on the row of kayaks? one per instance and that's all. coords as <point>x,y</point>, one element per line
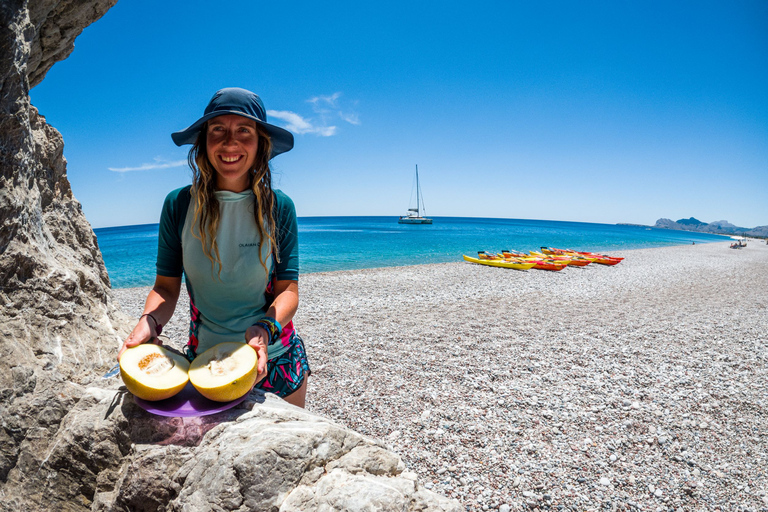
<point>548,259</point>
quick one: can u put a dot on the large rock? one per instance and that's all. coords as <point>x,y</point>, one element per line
<point>58,324</point>
<point>265,455</point>
<point>71,441</point>
<point>55,305</point>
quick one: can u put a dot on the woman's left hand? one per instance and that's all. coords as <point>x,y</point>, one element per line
<point>258,338</point>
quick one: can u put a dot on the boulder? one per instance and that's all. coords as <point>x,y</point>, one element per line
<point>109,454</point>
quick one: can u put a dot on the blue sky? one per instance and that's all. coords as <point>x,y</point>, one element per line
<point>581,111</point>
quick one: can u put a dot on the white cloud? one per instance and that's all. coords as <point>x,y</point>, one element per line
<point>328,106</point>
<point>325,100</point>
<point>297,124</point>
<point>326,110</point>
<point>159,164</point>
<point>350,117</point>
<point>326,131</point>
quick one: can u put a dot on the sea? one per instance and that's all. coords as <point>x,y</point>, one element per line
<point>329,244</point>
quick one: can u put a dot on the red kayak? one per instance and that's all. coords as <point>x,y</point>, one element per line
<point>595,257</point>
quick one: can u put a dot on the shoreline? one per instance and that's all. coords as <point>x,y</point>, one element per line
<point>642,384</point>
<point>620,252</point>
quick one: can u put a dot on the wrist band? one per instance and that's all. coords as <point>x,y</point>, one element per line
<point>272,326</point>
<point>158,326</point>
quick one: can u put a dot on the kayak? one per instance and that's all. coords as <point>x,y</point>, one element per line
<point>485,255</point>
<point>501,262</point>
<point>548,265</point>
<point>595,257</point>
<point>541,263</point>
<point>608,260</point>
<point>575,261</point>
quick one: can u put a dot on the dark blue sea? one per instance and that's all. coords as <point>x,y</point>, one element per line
<point>345,243</point>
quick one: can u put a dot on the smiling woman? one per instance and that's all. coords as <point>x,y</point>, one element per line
<point>234,238</point>
<point>232,144</point>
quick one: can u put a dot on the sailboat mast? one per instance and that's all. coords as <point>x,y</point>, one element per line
<point>418,192</point>
<point>414,215</point>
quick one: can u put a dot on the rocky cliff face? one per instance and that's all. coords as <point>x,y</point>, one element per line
<point>57,320</point>
<point>68,439</point>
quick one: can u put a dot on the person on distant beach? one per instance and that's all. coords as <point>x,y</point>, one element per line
<point>235,240</point>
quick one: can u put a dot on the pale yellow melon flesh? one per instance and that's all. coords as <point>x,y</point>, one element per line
<point>224,372</point>
<point>152,372</point>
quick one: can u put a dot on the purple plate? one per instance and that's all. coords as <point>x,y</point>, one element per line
<point>186,404</point>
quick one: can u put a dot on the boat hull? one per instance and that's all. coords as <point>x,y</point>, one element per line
<point>607,261</point>
<point>594,257</point>
<point>500,263</point>
<point>543,265</point>
<point>571,261</point>
<point>414,220</point>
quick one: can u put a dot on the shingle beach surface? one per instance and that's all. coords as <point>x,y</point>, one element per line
<point>642,386</point>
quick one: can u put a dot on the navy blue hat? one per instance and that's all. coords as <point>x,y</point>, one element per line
<point>241,102</point>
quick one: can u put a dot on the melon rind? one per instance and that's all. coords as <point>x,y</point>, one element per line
<point>231,385</point>
<point>153,387</point>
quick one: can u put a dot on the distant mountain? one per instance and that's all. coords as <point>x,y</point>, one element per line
<point>692,222</point>
<point>719,227</point>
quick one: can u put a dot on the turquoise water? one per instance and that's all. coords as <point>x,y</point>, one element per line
<point>345,243</point>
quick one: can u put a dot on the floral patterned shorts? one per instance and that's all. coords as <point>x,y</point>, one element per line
<point>286,373</point>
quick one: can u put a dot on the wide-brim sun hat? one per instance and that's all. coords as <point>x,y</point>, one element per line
<point>241,102</point>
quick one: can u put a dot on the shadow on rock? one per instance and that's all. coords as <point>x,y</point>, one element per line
<point>148,428</point>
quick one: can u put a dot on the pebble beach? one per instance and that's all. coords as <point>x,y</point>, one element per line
<point>642,386</point>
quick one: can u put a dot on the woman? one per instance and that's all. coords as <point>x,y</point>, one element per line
<point>235,240</point>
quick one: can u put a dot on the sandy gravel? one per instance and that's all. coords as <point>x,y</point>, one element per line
<point>637,387</point>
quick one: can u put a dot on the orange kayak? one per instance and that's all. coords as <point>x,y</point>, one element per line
<point>595,257</point>
<point>575,261</point>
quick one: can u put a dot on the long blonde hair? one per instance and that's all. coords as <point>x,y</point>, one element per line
<point>207,206</point>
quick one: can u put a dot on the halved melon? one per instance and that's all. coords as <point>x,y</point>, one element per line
<point>152,372</point>
<point>224,372</point>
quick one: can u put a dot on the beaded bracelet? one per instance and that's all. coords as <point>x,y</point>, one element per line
<point>158,326</point>
<point>272,326</point>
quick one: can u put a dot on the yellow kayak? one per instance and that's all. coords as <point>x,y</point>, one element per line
<point>517,265</point>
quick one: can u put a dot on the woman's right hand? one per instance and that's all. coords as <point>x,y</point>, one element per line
<point>258,338</point>
<point>142,333</point>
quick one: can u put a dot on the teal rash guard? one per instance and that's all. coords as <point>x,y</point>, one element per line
<point>226,299</point>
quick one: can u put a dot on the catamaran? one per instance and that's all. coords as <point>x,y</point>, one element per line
<point>414,215</point>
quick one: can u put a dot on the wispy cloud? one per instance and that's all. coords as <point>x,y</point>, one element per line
<point>331,100</point>
<point>327,109</point>
<point>298,124</point>
<point>159,164</point>
<point>330,106</point>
